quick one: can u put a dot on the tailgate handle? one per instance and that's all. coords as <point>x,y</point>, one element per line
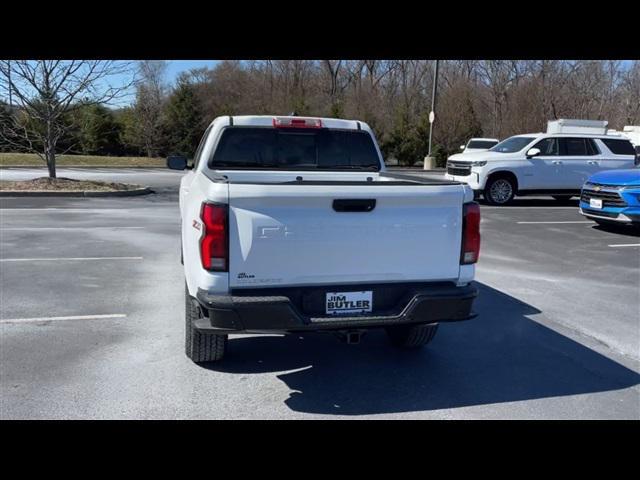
<point>354,204</point>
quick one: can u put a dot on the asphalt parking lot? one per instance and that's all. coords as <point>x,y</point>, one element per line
<point>92,308</point>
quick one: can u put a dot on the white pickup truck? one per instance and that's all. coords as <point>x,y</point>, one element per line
<point>292,224</point>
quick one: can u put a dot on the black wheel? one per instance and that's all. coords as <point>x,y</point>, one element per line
<point>562,198</point>
<point>411,336</point>
<point>201,347</point>
<point>499,191</point>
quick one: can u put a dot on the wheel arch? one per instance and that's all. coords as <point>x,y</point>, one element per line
<point>503,174</point>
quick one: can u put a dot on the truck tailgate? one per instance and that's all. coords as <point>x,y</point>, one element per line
<point>287,234</point>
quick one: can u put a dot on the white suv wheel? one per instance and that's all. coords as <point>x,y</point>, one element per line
<point>499,191</point>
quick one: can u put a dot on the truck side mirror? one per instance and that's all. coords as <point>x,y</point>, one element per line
<point>177,162</point>
<point>533,152</point>
<point>462,147</point>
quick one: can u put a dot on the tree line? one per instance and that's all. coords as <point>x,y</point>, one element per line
<point>491,98</point>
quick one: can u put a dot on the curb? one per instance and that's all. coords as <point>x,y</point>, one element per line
<point>409,169</point>
<point>86,193</point>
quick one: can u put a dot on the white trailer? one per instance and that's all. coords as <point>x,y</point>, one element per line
<point>632,132</point>
<point>594,127</point>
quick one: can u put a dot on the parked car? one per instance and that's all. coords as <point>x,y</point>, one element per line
<point>292,224</point>
<point>555,163</point>
<point>479,145</point>
<point>612,196</point>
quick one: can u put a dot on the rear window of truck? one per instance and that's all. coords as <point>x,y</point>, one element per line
<point>295,149</point>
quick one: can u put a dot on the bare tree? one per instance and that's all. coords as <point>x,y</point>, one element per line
<point>499,76</point>
<point>630,104</point>
<point>46,91</point>
<point>150,96</point>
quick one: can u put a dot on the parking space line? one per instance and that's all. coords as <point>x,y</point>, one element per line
<point>66,259</point>
<point>70,228</point>
<point>49,319</point>
<point>572,221</point>
<point>67,209</point>
<point>626,245</point>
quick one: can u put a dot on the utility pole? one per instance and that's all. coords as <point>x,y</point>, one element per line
<point>432,114</point>
<point>9,78</point>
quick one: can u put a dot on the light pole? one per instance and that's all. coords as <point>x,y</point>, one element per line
<point>432,114</point>
<point>9,78</point>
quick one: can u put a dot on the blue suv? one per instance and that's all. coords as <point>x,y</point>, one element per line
<point>612,196</point>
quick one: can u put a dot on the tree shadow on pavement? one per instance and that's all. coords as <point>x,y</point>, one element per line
<point>500,356</point>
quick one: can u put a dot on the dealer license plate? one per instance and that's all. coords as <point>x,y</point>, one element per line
<point>343,303</point>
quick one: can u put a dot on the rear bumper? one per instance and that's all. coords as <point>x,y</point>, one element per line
<point>269,314</point>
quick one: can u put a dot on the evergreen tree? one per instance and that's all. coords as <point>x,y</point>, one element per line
<point>182,120</point>
<point>128,136</point>
<point>97,132</point>
<point>8,141</point>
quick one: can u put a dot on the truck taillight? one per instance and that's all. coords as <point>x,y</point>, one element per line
<point>470,233</point>
<point>296,122</point>
<point>214,243</point>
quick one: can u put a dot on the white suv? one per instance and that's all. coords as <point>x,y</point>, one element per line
<point>555,163</point>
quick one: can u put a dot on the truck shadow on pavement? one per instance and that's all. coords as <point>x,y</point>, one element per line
<point>500,356</point>
<point>617,230</point>
<point>536,202</point>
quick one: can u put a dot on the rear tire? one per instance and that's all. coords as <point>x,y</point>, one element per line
<point>201,347</point>
<point>499,191</point>
<point>411,336</point>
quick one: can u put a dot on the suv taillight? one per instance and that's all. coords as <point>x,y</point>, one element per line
<point>470,233</point>
<point>214,243</point>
